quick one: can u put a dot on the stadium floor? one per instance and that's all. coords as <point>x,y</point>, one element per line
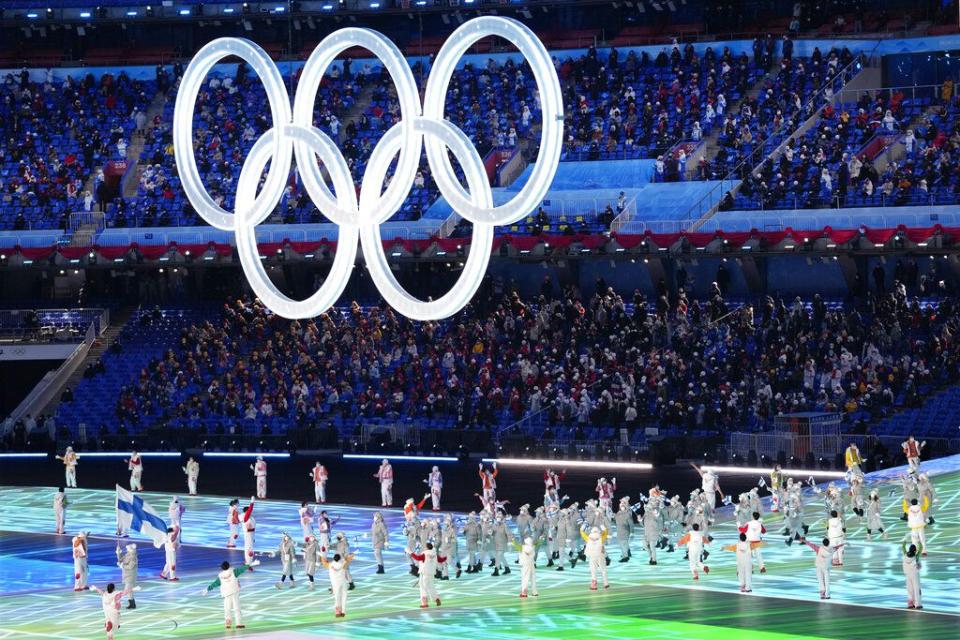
<point>36,600</point>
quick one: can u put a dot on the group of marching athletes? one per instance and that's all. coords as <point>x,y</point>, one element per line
<point>561,532</point>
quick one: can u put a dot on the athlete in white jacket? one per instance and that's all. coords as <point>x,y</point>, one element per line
<point>229,583</point>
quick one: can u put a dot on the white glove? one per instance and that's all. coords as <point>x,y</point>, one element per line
<point>203,592</point>
<point>137,588</point>
<point>255,563</point>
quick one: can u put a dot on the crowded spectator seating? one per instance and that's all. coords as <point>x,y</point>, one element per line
<point>554,368</point>
<point>147,334</point>
<point>56,135</point>
<point>627,106</point>
<point>845,160</point>
<point>633,106</point>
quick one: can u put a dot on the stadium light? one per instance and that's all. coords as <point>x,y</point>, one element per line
<point>762,470</point>
<point>32,15</point>
<point>122,454</point>
<point>185,12</point>
<point>571,464</point>
<point>402,458</point>
<point>243,454</point>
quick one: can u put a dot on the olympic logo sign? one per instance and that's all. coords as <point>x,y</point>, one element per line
<point>420,127</point>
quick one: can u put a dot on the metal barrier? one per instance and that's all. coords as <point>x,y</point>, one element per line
<point>824,446</point>
<point>695,215</point>
<point>851,96</point>
<point>374,436</point>
<point>80,219</point>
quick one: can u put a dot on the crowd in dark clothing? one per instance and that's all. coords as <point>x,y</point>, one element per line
<point>571,360</point>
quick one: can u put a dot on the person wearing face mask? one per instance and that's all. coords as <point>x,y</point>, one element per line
<point>311,551</point>
<point>110,599</point>
<point>342,548</point>
<point>379,537</point>
<point>129,565</point>
<point>434,482</point>
<point>384,476</point>
<point>319,475</point>
<point>917,522</point>
<point>449,547</point>
<point>260,473</point>
<point>471,536</point>
<point>488,481</point>
<point>501,537</point>
<point>81,569</point>
<point>605,489</point>
<point>624,520</point>
<point>287,552</point>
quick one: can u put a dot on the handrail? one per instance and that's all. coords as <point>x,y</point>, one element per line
<point>807,107</point>
<point>45,390</point>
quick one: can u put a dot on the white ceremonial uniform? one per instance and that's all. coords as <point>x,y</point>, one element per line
<point>385,475</point>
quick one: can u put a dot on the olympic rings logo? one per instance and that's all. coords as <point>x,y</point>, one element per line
<point>420,127</point>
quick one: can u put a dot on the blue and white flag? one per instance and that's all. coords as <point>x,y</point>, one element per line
<point>133,514</point>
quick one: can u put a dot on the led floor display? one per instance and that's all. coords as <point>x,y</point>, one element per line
<point>37,601</point>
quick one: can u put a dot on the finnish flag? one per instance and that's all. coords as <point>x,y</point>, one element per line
<point>133,514</point>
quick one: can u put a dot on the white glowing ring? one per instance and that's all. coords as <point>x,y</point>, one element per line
<point>361,218</point>
<point>551,132</point>
<point>482,242</point>
<point>260,282</point>
<point>407,95</point>
<point>190,84</point>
